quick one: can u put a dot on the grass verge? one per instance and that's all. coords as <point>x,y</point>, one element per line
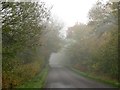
<point>97,78</point>
<point>38,81</point>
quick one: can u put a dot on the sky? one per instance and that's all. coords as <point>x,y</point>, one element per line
<point>71,11</point>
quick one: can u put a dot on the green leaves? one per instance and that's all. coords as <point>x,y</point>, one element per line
<point>22,24</point>
<point>27,37</point>
<point>21,33</point>
<point>95,45</point>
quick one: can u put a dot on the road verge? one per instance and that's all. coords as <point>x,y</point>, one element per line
<point>38,81</point>
<point>96,78</point>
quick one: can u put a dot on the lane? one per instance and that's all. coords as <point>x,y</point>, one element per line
<point>61,77</point>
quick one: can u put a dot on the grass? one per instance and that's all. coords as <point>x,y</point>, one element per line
<point>97,78</point>
<point>38,81</point>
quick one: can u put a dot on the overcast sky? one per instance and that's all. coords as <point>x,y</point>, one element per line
<point>71,11</point>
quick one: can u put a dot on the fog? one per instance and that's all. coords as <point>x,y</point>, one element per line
<point>55,58</point>
<point>59,44</point>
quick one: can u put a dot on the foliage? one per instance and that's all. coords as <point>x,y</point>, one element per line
<point>28,40</point>
<point>38,81</point>
<point>93,47</point>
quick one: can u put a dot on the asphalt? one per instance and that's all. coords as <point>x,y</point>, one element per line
<point>62,77</point>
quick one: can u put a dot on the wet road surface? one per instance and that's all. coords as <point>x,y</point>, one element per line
<point>61,77</point>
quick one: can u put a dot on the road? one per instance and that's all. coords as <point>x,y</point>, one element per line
<point>61,77</point>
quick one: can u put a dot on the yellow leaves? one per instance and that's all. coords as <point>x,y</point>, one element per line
<point>30,70</point>
<point>80,67</point>
<point>22,73</point>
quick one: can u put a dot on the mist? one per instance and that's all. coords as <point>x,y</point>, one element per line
<point>60,44</point>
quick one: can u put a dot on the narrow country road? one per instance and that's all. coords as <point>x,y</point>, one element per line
<point>61,77</point>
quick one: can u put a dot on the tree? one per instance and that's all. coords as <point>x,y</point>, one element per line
<point>22,26</point>
<point>93,47</point>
